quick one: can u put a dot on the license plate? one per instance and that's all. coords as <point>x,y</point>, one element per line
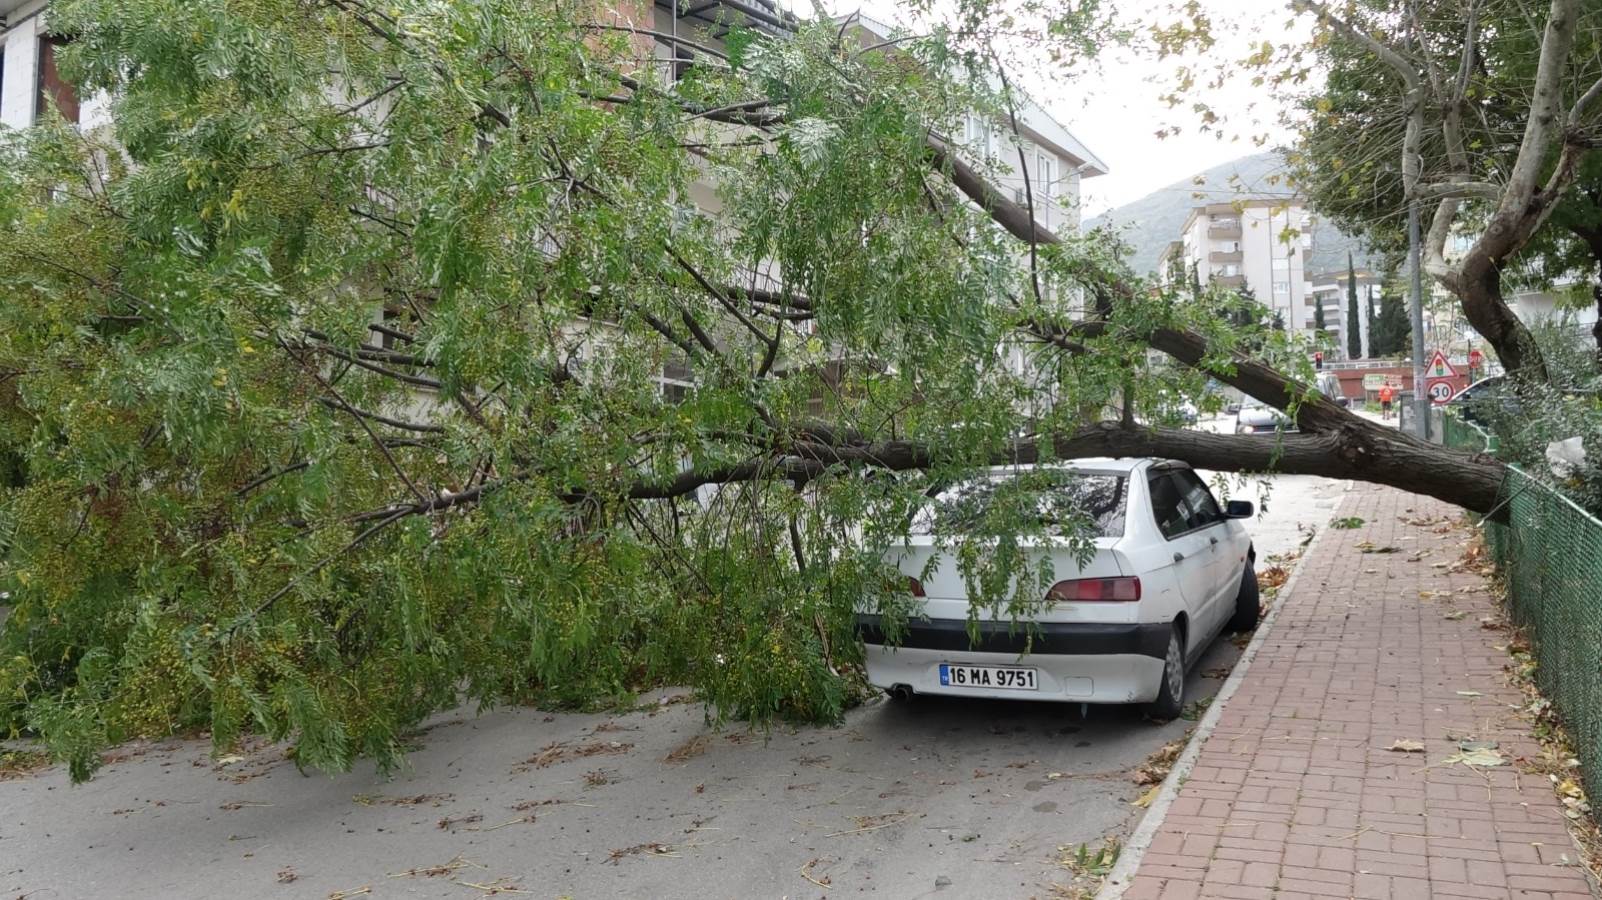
<point>1012,678</point>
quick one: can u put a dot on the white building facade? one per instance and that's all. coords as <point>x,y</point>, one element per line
<point>30,81</point>
<point>1257,244</point>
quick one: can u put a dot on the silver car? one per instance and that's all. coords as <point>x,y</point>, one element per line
<point>1257,417</point>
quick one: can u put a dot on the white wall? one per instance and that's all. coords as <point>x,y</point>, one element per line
<point>19,82</point>
<point>1274,267</point>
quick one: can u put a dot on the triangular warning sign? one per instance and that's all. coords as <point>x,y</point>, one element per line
<point>1439,367</point>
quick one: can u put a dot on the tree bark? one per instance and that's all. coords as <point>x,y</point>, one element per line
<point>1479,292</point>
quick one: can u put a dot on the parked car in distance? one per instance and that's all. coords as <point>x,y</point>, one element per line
<point>1471,400</point>
<point>1330,386</point>
<point>1171,570</point>
<point>1257,417</point>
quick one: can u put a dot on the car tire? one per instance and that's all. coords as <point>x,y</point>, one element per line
<point>1248,602</point>
<point>1171,694</point>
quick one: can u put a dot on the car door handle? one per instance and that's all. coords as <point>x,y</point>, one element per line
<point>1179,557</point>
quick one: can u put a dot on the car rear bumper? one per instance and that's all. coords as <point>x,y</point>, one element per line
<point>1036,639</point>
<point>1080,662</point>
<point>1084,678</point>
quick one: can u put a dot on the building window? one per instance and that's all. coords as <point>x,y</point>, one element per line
<point>673,61</point>
<point>1281,287</point>
<point>51,85</point>
<point>676,380</point>
<point>1046,173</point>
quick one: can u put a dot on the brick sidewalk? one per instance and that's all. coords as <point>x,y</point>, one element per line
<point>1294,794</point>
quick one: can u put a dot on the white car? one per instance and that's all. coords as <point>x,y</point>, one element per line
<point>1171,571</point>
<point>1257,417</point>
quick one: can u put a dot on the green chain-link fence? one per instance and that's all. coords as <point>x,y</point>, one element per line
<point>1550,552</point>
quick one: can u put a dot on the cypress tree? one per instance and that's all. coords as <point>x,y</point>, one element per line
<point>1354,333</point>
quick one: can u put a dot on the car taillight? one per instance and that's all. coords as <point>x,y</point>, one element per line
<point>1095,590</point>
<point>915,587</point>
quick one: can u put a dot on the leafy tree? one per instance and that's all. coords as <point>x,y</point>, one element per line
<point>1420,101</point>
<point>1354,334</point>
<point>337,365</point>
<point>1392,331</point>
<point>1371,311</point>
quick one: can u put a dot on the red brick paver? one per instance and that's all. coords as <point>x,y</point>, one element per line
<point>1294,794</point>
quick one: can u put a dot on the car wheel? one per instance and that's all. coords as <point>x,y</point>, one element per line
<point>1171,696</point>
<point>1248,602</point>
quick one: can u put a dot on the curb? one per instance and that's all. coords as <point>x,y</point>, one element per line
<point>1134,850</point>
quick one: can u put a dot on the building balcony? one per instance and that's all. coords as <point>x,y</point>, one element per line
<point>1230,281</point>
<point>1223,229</point>
<point>1225,256</point>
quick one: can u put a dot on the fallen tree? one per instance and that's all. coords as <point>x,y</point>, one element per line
<point>333,405</point>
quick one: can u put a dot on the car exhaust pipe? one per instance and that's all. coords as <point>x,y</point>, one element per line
<point>900,692</point>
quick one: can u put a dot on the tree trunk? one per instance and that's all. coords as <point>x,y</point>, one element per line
<point>1596,297</point>
<point>1479,290</point>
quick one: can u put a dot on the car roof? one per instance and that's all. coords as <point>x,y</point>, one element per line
<point>1092,465</point>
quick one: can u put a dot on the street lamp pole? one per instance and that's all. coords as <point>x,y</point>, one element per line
<point>1421,399</point>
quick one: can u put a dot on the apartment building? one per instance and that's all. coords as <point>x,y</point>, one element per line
<point>1258,244</point>
<point>1329,291</point>
<point>30,82</point>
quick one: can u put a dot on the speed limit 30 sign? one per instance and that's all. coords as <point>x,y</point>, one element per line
<point>1441,391</point>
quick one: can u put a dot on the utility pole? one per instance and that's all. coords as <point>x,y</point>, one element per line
<point>1421,399</point>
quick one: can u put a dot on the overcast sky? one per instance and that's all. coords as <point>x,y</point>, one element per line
<point>1113,107</point>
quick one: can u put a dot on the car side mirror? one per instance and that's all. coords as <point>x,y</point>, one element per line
<point>1238,509</point>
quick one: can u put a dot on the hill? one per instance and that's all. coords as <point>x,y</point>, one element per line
<point>1148,224</point>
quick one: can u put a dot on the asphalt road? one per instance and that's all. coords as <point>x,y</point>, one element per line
<point>953,798</point>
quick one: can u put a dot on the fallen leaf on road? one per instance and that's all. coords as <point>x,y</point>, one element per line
<point>1273,577</point>
<point>1468,693</point>
<point>1454,615</point>
<point>1145,799</point>
<point>1481,757</point>
<point>688,750</point>
<point>449,823</point>
<point>1406,745</point>
<point>654,848</point>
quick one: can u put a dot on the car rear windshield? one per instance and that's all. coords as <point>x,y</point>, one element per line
<point>1065,502</point>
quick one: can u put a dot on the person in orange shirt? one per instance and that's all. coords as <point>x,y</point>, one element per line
<point>1385,397</point>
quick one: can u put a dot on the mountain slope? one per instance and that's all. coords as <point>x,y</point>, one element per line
<point>1148,224</point>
